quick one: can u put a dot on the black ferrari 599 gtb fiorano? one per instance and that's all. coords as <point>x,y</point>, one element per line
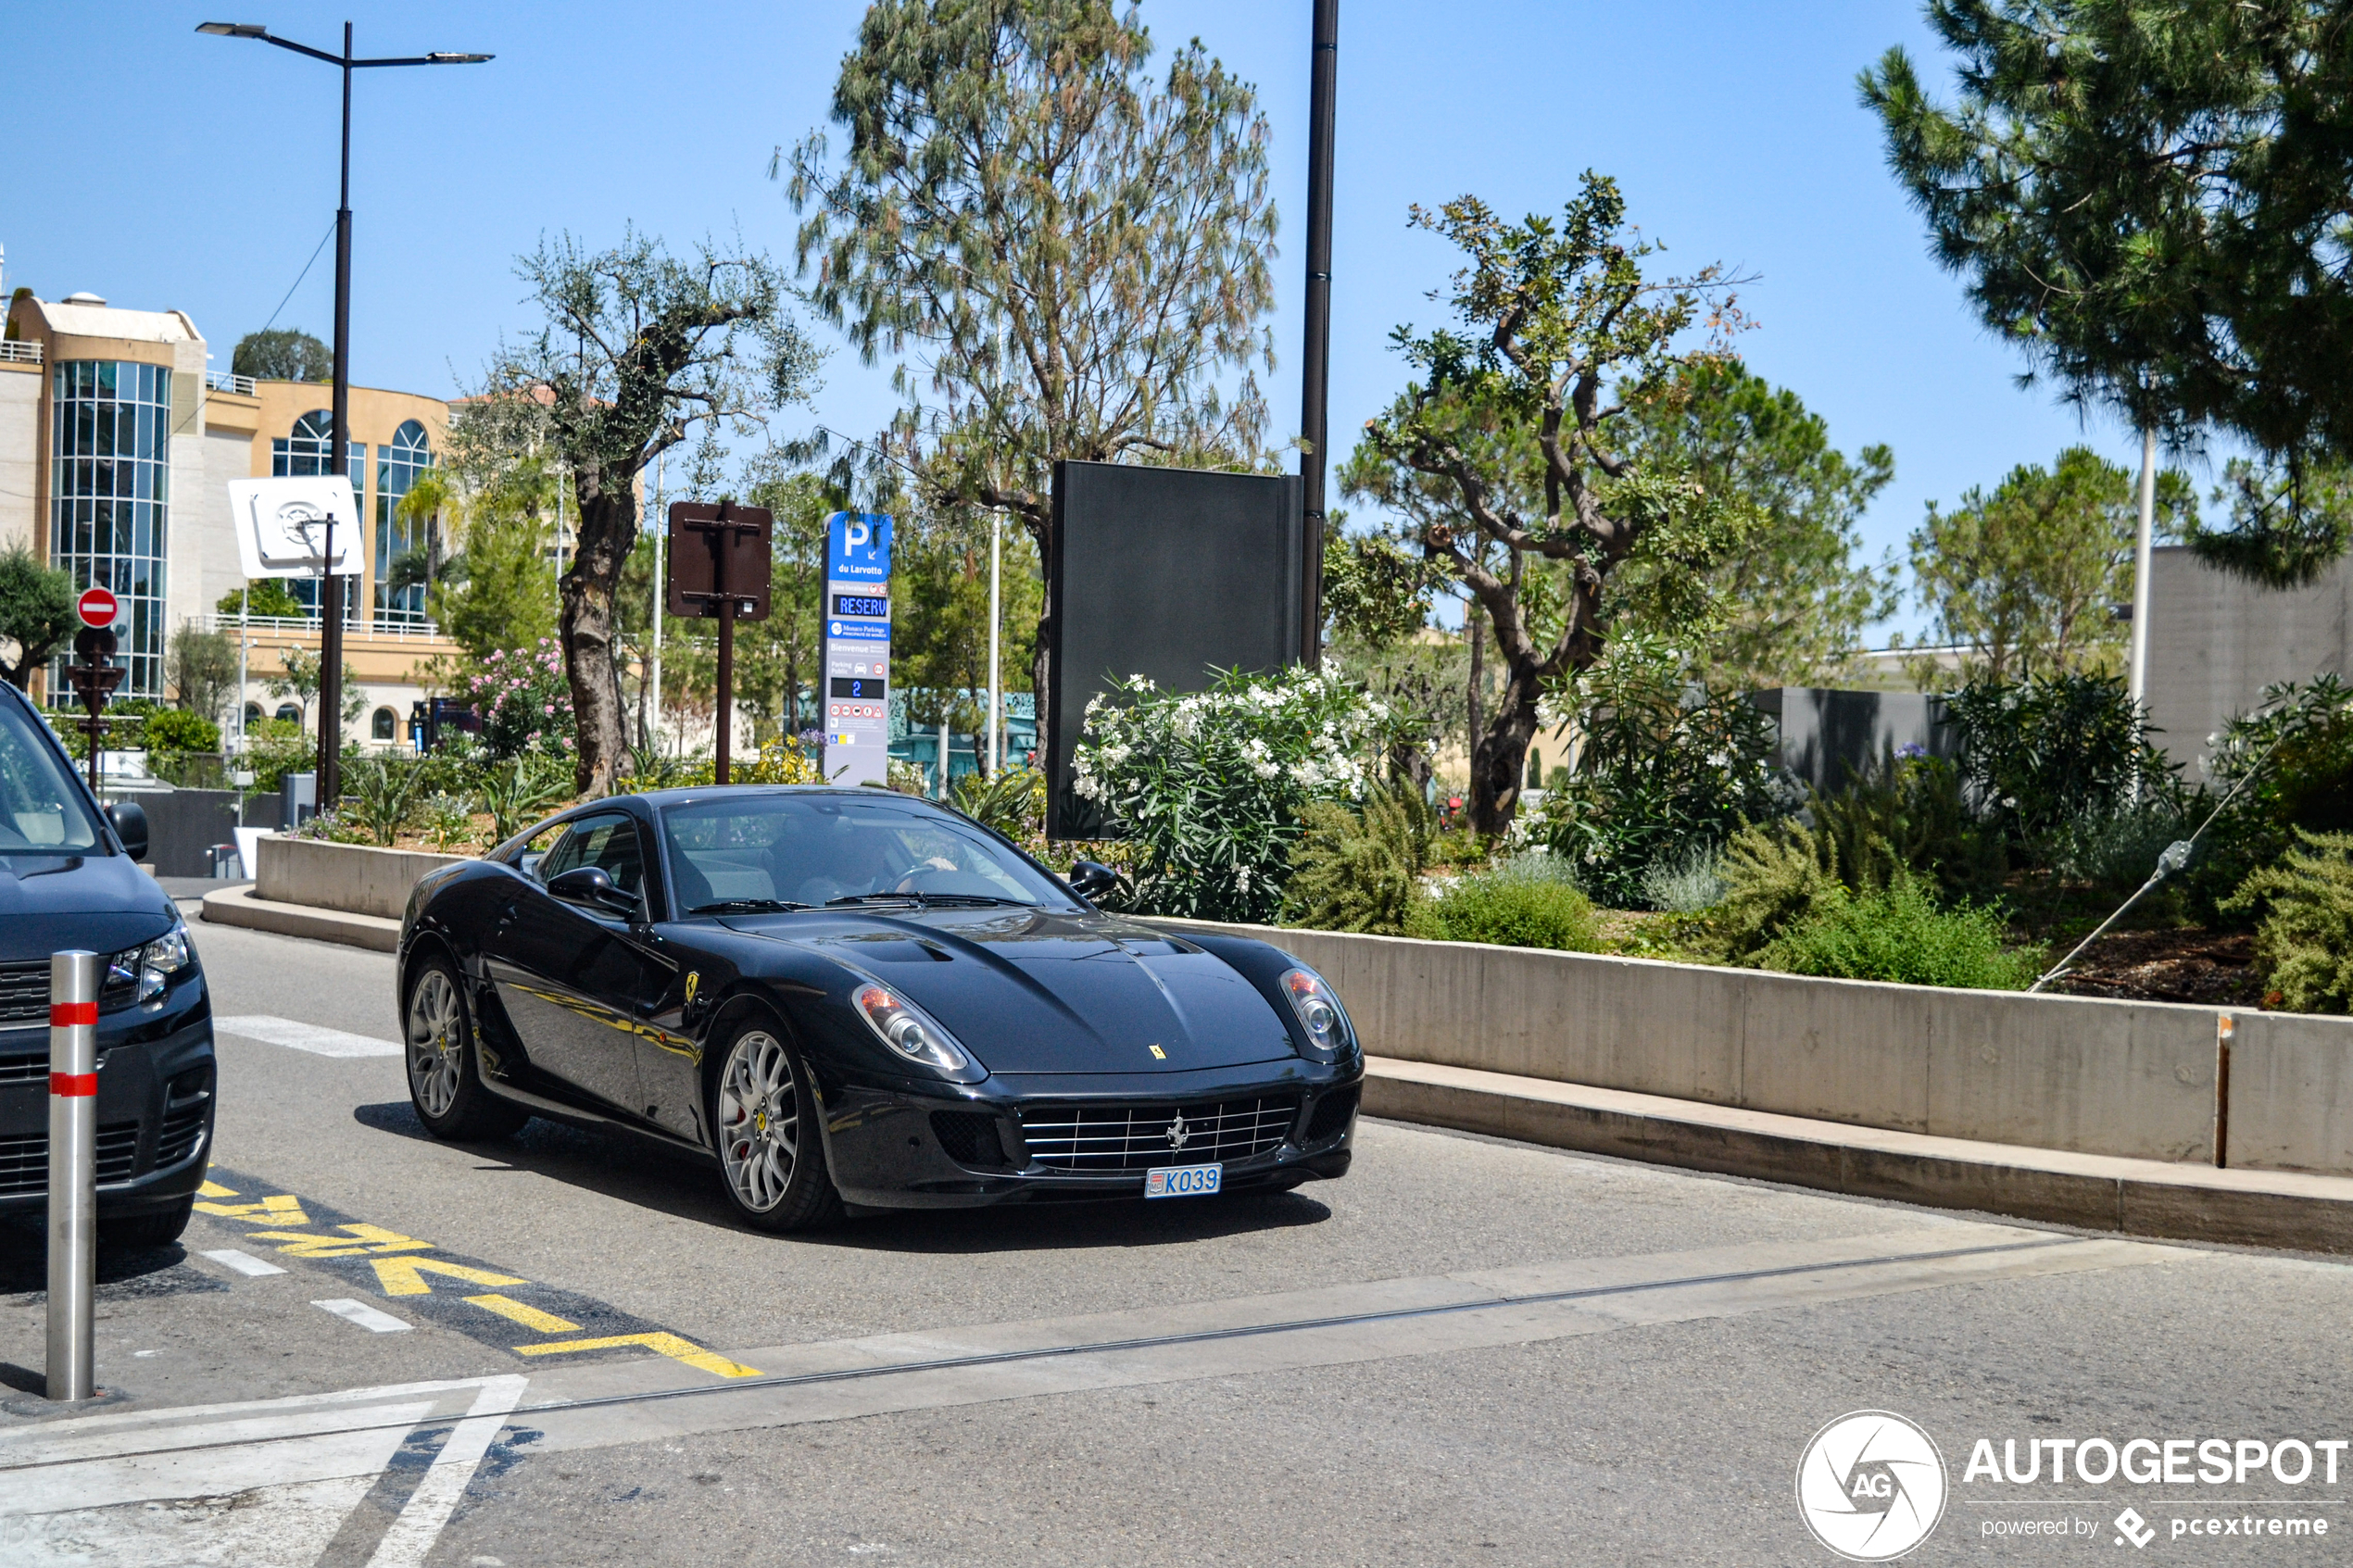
<point>852,999</point>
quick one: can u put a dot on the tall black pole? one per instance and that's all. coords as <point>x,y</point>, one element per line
<point>1316,361</point>
<point>330,585</point>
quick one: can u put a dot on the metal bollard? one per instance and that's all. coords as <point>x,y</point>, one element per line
<point>73,1169</point>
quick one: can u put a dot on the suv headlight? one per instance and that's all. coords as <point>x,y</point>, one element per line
<point>150,968</point>
<point>1319,1013</point>
<point>914,1033</point>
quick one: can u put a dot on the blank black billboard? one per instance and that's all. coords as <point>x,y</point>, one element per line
<point>1165,572</point>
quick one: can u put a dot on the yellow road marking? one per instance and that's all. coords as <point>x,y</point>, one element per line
<point>281,1211</point>
<point>670,1345</point>
<point>363,1238</point>
<point>530,1317</point>
<point>405,1277</point>
<point>214,1189</point>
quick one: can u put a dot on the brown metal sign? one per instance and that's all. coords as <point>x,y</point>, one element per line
<point>718,550</point>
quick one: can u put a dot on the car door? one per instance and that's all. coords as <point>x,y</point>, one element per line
<point>575,981</point>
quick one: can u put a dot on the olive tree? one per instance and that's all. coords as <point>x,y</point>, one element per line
<point>1506,459</point>
<point>637,350</point>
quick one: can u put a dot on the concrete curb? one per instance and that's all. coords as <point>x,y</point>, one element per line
<point>241,906</point>
<point>2148,1198</point>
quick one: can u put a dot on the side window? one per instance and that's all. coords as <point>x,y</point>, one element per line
<point>532,859</point>
<point>609,843</point>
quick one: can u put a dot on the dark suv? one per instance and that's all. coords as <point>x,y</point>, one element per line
<point>69,878</point>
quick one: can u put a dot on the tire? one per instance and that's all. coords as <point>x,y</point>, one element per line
<point>764,1114</point>
<point>445,1079</point>
<point>139,1232</point>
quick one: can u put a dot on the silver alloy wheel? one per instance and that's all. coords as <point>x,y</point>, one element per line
<point>436,1039</point>
<point>759,1120</point>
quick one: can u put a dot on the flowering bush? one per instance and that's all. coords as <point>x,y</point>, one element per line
<point>1208,787</point>
<point>524,701</point>
<point>1667,770</point>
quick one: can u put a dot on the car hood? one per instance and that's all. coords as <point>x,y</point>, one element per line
<point>1044,991</point>
<point>50,903</point>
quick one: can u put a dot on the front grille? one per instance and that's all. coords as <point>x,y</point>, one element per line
<point>30,1068</point>
<point>24,1162</point>
<point>24,990</point>
<point>176,1139</point>
<point>118,1152</point>
<point>969,1138</point>
<point>1330,1116</point>
<point>1138,1138</point>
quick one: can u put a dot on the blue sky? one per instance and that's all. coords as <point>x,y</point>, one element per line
<point>162,168</point>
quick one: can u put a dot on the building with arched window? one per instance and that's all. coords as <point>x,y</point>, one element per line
<point>116,444</point>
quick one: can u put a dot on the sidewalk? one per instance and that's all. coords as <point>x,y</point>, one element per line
<point>2135,1197</point>
<point>241,906</point>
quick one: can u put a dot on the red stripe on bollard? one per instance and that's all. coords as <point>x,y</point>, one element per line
<point>65,1015</point>
<point>73,1084</point>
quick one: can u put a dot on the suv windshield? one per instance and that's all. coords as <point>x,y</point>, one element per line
<point>814,849</point>
<point>42,810</point>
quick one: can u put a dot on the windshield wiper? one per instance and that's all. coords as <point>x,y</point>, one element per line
<point>924,900</point>
<point>743,906</point>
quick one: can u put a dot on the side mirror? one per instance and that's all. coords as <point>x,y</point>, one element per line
<point>1091,880</point>
<point>591,887</point>
<point>130,820</point>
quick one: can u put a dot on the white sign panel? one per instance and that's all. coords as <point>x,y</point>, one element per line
<point>282,525</point>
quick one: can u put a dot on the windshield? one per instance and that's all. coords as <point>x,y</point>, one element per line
<point>41,806</point>
<point>754,850</point>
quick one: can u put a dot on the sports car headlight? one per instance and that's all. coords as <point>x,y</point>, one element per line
<point>1319,1012</point>
<point>150,967</point>
<point>914,1033</point>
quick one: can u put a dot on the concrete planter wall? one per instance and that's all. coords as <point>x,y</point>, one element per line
<point>2135,1079</point>
<point>354,878</point>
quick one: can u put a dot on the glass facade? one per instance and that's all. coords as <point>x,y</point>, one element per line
<point>306,453</point>
<point>397,467</point>
<point>110,499</point>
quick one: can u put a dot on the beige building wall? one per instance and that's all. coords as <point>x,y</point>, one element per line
<point>218,434</point>
<point>20,452</point>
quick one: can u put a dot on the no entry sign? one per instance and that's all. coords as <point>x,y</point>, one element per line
<point>97,607</point>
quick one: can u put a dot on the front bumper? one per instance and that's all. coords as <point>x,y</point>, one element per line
<point>157,1082</point>
<point>887,1148</point>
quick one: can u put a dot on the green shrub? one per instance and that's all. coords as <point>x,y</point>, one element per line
<point>1516,905</point>
<point>517,793</point>
<point>2305,939</point>
<point>1686,881</point>
<point>1774,875</point>
<point>178,730</point>
<point>380,796</point>
<point>2294,755</point>
<point>449,821</point>
<point>2041,753</point>
<point>1012,800</point>
<point>1908,815</point>
<point>1359,870</point>
<point>1663,767</point>
<point>1900,934</point>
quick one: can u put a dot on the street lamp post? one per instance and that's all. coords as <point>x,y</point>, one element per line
<point>330,596</point>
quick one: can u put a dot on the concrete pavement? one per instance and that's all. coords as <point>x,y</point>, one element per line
<point>1468,1350</point>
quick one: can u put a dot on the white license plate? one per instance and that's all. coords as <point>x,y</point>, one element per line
<point>1183,1181</point>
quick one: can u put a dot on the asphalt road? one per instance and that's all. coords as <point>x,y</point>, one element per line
<point>560,1349</point>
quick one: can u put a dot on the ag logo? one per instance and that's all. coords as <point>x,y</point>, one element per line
<point>1871,1485</point>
